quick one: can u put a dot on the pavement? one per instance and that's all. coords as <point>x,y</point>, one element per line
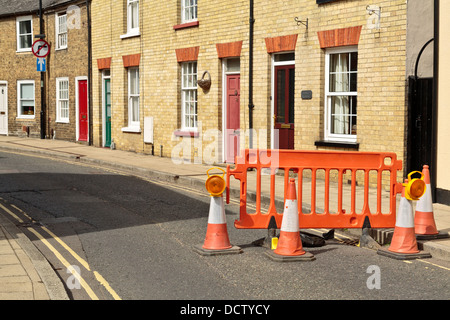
<point>26,275</point>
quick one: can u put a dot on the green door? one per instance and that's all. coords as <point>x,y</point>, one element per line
<point>107,113</point>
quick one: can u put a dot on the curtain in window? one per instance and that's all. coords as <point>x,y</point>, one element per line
<point>339,82</point>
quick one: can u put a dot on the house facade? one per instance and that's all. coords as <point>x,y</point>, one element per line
<point>60,109</point>
<point>324,75</point>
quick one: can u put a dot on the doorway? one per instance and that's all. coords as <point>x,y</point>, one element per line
<point>3,109</point>
<point>283,101</point>
<point>232,111</point>
<point>106,108</point>
<point>420,130</point>
<point>83,118</point>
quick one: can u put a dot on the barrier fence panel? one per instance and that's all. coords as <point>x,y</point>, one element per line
<point>324,163</point>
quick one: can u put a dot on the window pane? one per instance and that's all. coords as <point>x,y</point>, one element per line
<point>25,41</point>
<point>134,81</point>
<point>135,109</point>
<point>291,94</point>
<point>284,57</point>
<point>340,121</point>
<point>354,61</point>
<point>62,21</point>
<point>233,65</point>
<point>134,15</point>
<point>25,27</point>
<point>64,109</point>
<point>339,82</point>
<point>353,82</point>
<point>339,62</point>
<point>281,88</point>
<point>26,91</point>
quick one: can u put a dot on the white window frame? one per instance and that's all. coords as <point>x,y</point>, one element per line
<point>133,126</point>
<point>19,99</point>
<point>192,10</point>
<point>59,32</point>
<point>59,100</point>
<point>18,21</point>
<point>189,94</point>
<point>349,138</point>
<point>131,32</point>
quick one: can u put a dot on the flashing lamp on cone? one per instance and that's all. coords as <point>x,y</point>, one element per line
<point>415,188</point>
<point>403,244</point>
<point>215,184</point>
<point>216,240</point>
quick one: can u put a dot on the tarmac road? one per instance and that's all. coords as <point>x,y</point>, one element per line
<point>130,238</point>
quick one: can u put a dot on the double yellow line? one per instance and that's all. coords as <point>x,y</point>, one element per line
<point>60,257</point>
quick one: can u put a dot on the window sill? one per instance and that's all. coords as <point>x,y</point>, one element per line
<point>130,35</point>
<point>132,129</point>
<point>336,144</point>
<point>182,133</point>
<point>62,121</point>
<point>29,118</point>
<point>186,25</point>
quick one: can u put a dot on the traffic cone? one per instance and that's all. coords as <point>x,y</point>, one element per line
<point>289,247</point>
<point>424,222</point>
<point>404,245</point>
<point>216,240</point>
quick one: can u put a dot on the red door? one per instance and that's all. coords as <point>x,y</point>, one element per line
<point>284,105</point>
<point>233,116</point>
<point>82,111</point>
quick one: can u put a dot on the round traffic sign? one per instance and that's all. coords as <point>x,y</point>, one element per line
<point>40,48</point>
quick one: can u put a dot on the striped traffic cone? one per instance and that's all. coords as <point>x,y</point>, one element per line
<point>424,223</point>
<point>404,245</point>
<point>289,247</point>
<point>216,240</point>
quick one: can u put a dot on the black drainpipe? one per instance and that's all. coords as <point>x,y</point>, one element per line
<point>89,72</point>
<point>433,171</point>
<point>250,78</point>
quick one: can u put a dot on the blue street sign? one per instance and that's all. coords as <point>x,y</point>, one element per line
<point>41,64</point>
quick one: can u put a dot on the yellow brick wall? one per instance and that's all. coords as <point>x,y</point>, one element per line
<point>70,63</point>
<point>18,66</point>
<point>381,67</point>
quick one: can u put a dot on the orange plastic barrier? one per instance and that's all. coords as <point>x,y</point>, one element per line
<point>297,162</point>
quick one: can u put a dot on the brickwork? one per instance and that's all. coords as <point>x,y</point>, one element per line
<point>381,69</point>
<point>71,62</point>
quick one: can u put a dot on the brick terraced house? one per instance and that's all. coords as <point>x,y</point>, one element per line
<point>65,95</point>
<point>200,80</point>
<point>324,75</point>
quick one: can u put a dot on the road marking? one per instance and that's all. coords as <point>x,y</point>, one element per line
<point>11,213</point>
<point>433,264</point>
<point>105,283</point>
<point>58,255</point>
<point>69,249</point>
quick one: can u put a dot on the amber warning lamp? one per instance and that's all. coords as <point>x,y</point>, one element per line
<point>414,188</point>
<point>215,184</point>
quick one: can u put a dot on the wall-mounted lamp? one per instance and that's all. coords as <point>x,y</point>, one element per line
<point>373,22</point>
<point>303,22</point>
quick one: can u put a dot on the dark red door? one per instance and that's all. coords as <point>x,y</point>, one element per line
<point>82,111</point>
<point>233,116</point>
<point>284,105</point>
